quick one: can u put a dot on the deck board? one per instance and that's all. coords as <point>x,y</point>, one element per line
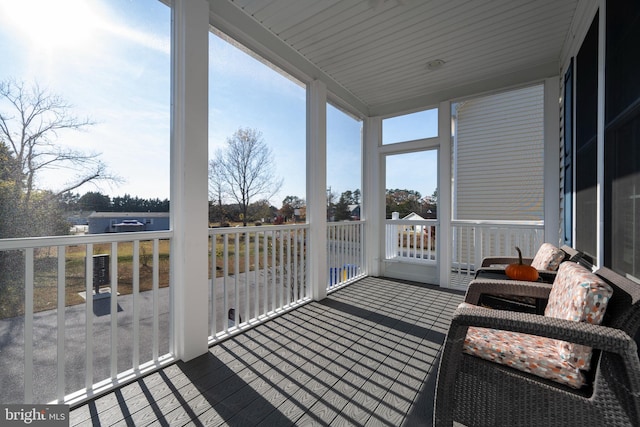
<point>366,355</point>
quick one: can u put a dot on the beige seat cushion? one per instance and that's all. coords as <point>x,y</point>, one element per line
<point>529,353</point>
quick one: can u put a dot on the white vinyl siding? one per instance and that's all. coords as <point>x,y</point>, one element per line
<point>498,151</point>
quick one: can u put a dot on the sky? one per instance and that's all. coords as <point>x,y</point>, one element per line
<point>111,61</point>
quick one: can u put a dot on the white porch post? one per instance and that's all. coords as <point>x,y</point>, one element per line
<point>373,211</point>
<point>189,156</point>
<point>552,161</point>
<point>317,187</point>
<point>444,237</point>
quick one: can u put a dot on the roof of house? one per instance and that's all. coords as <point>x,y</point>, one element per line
<point>129,215</point>
<point>413,215</point>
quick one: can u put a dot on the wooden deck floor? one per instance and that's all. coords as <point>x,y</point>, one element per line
<point>366,355</point>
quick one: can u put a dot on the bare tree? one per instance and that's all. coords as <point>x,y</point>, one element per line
<point>249,167</point>
<point>217,183</point>
<point>30,130</point>
<point>331,207</point>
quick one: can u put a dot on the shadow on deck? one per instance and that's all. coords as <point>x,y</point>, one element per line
<point>366,355</point>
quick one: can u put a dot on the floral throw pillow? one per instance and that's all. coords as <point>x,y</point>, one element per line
<point>548,257</point>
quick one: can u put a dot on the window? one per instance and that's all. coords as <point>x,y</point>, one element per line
<point>622,176</point>
<point>586,143</point>
<point>622,139</point>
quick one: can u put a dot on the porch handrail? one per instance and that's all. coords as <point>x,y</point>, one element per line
<point>416,243</point>
<point>272,278</point>
<point>227,230</point>
<point>345,253</point>
<point>499,223</point>
<point>412,221</point>
<point>473,240</point>
<point>47,241</point>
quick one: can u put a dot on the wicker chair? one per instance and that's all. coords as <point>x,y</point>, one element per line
<point>493,266</point>
<point>477,392</point>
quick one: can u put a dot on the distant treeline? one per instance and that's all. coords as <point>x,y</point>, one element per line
<point>94,201</point>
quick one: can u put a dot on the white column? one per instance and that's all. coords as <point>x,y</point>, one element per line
<point>316,188</point>
<point>552,160</point>
<point>189,158</point>
<point>373,210</point>
<point>444,236</point>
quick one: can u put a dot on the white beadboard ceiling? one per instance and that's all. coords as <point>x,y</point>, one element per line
<point>373,54</point>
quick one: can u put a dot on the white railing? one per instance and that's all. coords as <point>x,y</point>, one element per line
<point>345,252</point>
<point>474,240</point>
<point>76,337</point>
<point>411,240</point>
<point>77,349</point>
<point>255,274</point>
<point>90,313</point>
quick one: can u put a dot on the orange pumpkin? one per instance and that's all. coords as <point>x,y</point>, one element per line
<point>521,271</point>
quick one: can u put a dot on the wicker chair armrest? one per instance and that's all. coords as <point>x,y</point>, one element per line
<point>546,276</point>
<point>501,260</point>
<point>478,287</point>
<point>596,336</point>
<point>571,253</point>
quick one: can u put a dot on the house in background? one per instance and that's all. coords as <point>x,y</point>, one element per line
<point>414,217</point>
<point>354,212</point>
<point>116,222</point>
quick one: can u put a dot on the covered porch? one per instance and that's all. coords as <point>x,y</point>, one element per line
<point>365,355</point>
<point>327,323</point>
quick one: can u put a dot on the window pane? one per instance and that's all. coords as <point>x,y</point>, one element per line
<point>586,147</point>
<point>622,64</point>
<point>423,124</point>
<point>622,140</point>
<point>623,209</point>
